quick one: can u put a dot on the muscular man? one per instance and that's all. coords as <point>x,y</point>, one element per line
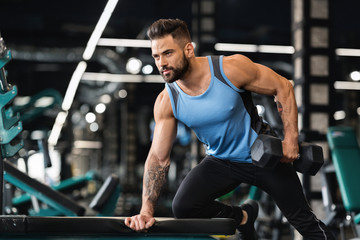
<point>211,95</point>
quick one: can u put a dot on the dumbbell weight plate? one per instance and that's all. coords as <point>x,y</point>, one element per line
<point>311,159</point>
<point>266,151</point>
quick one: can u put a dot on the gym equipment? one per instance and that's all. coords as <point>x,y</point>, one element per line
<point>23,227</point>
<point>335,213</point>
<point>66,186</point>
<point>31,111</point>
<point>104,201</point>
<point>266,151</point>
<point>81,227</point>
<point>345,153</point>
<point>44,193</point>
<point>10,127</point>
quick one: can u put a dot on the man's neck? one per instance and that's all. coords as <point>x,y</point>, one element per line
<point>197,79</point>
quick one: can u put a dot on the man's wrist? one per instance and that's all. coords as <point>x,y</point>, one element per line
<point>291,137</point>
<point>147,212</point>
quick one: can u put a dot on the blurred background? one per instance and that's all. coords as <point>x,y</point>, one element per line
<point>109,121</point>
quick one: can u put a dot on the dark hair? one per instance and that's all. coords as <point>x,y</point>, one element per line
<point>175,27</point>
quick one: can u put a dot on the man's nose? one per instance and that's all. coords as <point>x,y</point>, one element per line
<point>162,62</point>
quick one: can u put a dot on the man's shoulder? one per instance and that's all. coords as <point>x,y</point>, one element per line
<point>163,104</point>
<point>238,69</point>
<point>163,99</point>
<point>163,95</point>
<point>235,58</point>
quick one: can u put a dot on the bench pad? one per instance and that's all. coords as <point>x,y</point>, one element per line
<point>67,226</point>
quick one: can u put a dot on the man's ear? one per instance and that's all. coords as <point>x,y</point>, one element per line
<point>189,50</point>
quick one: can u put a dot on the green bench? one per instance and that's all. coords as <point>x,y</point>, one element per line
<point>345,153</point>
<point>104,201</point>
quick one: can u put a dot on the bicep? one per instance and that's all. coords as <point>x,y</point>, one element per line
<point>163,138</point>
<point>165,128</point>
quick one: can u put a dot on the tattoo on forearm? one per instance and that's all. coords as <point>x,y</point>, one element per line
<point>155,178</point>
<point>279,107</point>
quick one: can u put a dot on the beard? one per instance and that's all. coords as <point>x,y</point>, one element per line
<point>176,72</point>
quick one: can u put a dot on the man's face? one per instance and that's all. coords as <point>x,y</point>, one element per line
<point>169,58</point>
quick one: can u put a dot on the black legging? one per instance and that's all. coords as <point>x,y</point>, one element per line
<point>213,178</point>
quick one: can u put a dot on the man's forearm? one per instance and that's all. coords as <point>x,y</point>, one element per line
<point>287,109</point>
<point>154,179</point>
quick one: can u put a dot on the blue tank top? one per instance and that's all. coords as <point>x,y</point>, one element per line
<point>224,117</point>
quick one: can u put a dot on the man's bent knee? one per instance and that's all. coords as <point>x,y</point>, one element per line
<point>182,208</point>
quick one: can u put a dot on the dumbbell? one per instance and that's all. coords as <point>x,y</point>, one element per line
<point>267,151</point>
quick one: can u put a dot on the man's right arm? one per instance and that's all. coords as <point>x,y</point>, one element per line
<point>157,163</point>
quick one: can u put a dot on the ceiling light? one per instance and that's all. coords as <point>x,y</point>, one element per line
<point>73,85</point>
<point>133,65</point>
<point>56,130</point>
<point>136,43</point>
<point>99,28</point>
<point>235,47</point>
<point>348,52</point>
<point>90,117</point>
<point>114,42</point>
<point>276,49</point>
<point>88,144</point>
<point>147,69</point>
<point>106,98</point>
<point>347,85</point>
<point>339,115</point>
<point>80,69</point>
<point>122,93</point>
<point>130,78</point>
<point>94,127</point>
<point>355,75</point>
<point>100,108</point>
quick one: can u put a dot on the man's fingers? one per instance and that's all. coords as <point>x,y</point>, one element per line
<point>127,221</point>
<point>133,224</point>
<point>150,223</point>
<point>137,228</point>
<point>287,160</point>
<point>139,223</point>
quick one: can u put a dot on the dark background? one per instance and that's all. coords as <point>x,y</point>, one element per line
<point>62,29</point>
